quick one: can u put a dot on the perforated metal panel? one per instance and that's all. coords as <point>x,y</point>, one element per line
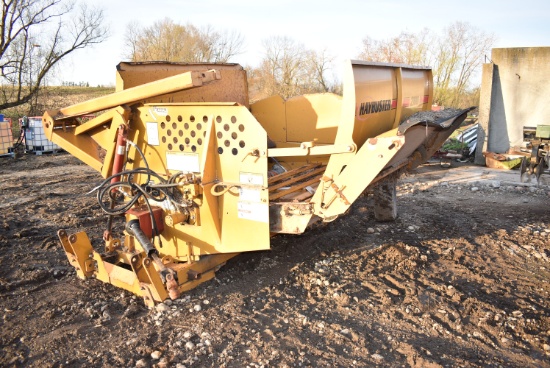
<point>222,144</point>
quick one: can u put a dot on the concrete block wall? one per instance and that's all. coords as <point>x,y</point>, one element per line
<point>515,92</point>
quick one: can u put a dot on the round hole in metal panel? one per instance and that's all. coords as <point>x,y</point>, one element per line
<point>220,150</point>
<point>199,142</point>
<point>241,128</point>
<point>234,151</point>
<point>180,118</point>
<point>168,118</point>
<point>174,126</point>
<point>233,119</point>
<point>163,139</point>
<point>241,144</point>
<point>193,134</point>
<point>219,135</point>
<point>227,143</point>
<point>169,132</point>
<point>194,148</point>
<point>170,146</point>
<point>163,125</point>
<point>186,126</point>
<point>218,119</point>
<point>180,133</point>
<point>204,133</point>
<point>175,139</point>
<point>191,118</point>
<point>182,147</point>
<point>205,118</point>
<point>199,126</point>
<point>187,140</point>
<point>234,135</point>
<point>226,127</point>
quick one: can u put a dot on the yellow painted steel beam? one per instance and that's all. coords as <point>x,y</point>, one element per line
<point>336,193</point>
<point>78,250</point>
<point>82,147</point>
<point>100,120</point>
<point>307,148</point>
<point>167,85</point>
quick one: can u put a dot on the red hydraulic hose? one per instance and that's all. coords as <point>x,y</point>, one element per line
<point>118,163</point>
<point>120,153</point>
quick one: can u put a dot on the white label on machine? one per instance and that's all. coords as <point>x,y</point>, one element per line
<point>253,211</point>
<point>250,194</point>
<point>186,162</point>
<point>161,111</point>
<point>152,134</point>
<point>251,178</point>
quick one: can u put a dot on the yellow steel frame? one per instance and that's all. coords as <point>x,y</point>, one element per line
<point>223,146</point>
<point>143,278</point>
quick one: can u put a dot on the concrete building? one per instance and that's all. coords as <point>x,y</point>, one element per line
<point>515,92</point>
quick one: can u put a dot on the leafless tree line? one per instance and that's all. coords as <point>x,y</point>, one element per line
<point>168,41</point>
<point>287,69</point>
<point>36,35</point>
<point>455,56</point>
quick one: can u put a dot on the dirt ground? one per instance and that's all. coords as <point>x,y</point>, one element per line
<point>459,280</point>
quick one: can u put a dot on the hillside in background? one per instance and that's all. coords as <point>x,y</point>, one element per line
<point>54,98</point>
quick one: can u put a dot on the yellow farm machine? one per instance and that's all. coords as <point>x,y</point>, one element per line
<point>200,174</point>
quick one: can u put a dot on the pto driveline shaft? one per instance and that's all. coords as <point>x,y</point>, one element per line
<point>133,228</point>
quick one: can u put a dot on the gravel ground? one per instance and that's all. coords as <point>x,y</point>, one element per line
<point>460,279</point>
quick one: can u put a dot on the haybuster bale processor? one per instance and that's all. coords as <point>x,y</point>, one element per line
<point>200,175</point>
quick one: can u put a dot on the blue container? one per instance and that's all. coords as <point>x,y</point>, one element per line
<point>1,117</point>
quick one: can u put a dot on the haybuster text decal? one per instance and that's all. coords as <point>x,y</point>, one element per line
<point>374,107</point>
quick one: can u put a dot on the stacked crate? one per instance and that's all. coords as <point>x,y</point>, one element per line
<point>6,138</point>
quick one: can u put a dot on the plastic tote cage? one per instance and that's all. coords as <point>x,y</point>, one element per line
<point>35,138</point>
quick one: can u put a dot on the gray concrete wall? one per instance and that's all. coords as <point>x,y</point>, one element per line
<point>484,111</point>
<point>519,95</point>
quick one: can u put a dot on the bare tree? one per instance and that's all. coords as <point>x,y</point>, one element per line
<point>131,39</point>
<point>459,55</point>
<point>319,63</point>
<point>219,46</point>
<point>289,69</point>
<point>36,35</point>
<point>284,60</point>
<point>406,48</point>
<point>169,41</point>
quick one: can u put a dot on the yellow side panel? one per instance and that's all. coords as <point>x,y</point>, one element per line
<point>270,112</point>
<point>313,118</point>
<point>375,89</point>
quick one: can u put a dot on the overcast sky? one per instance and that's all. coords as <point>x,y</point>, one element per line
<point>338,26</point>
